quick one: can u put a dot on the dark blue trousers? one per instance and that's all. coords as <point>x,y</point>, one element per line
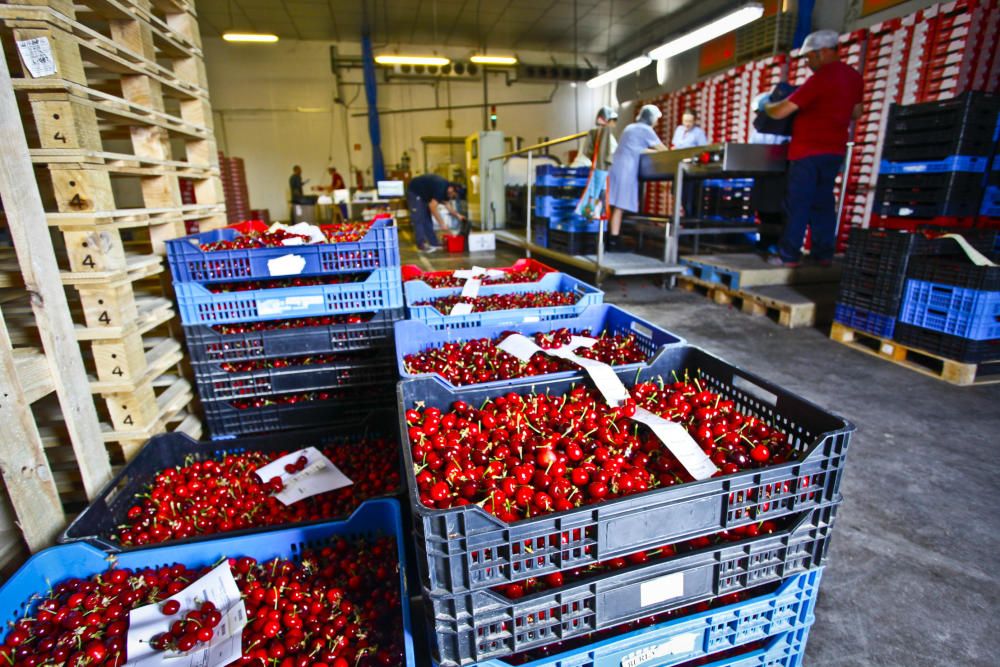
<point>809,202</point>
<point>422,221</point>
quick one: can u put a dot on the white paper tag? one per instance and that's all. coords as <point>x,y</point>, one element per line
<point>519,346</point>
<point>461,309</point>
<point>465,274</point>
<point>219,587</point>
<point>661,589</point>
<point>603,376</point>
<point>319,476</point>
<point>471,288</point>
<point>310,231</point>
<point>674,646</point>
<point>37,56</point>
<point>286,265</point>
<point>288,304</point>
<point>680,443</point>
<point>293,241</point>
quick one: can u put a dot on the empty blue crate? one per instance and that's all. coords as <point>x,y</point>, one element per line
<point>954,163</point>
<point>865,320</point>
<point>380,290</point>
<point>413,337</point>
<point>958,311</point>
<point>771,626</point>
<point>587,295</point>
<point>378,248</point>
<point>32,581</point>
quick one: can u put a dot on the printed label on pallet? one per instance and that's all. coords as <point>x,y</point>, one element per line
<point>676,646</point>
<point>37,56</point>
<point>218,587</point>
<point>316,475</point>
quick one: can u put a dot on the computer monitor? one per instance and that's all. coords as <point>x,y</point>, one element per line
<point>390,189</point>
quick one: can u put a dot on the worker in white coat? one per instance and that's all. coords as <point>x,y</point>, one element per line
<point>623,187</point>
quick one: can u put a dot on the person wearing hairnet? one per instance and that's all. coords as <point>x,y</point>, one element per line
<point>623,182</point>
<point>603,131</point>
<point>824,107</point>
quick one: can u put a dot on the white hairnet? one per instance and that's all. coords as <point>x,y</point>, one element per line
<point>821,39</point>
<point>649,114</point>
<point>607,113</point>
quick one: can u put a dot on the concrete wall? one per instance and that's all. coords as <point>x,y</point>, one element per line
<point>275,106</point>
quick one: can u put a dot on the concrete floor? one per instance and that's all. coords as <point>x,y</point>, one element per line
<point>910,577</point>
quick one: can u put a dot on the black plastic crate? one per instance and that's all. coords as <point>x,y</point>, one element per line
<point>928,144</point>
<point>958,208</point>
<point>482,625</point>
<point>353,369</point>
<point>562,192</point>
<point>947,346</point>
<point>959,272</point>
<point>107,511</point>
<point>946,181</point>
<point>957,111</point>
<point>225,420</point>
<point>877,291</point>
<point>465,548</point>
<point>206,345</point>
<point>888,251</point>
<point>572,243</point>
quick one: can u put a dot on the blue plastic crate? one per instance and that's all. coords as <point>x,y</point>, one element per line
<point>413,337</point>
<point>189,263</point>
<point>550,282</point>
<point>991,202</point>
<point>578,224</point>
<point>547,206</point>
<point>35,577</point>
<point>557,176</point>
<point>954,163</point>
<point>865,320</point>
<point>381,290</point>
<point>958,311</point>
<point>781,617</point>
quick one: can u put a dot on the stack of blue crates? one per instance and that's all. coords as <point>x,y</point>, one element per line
<point>269,357</point>
<point>935,157</point>
<point>556,195</point>
<point>727,200</point>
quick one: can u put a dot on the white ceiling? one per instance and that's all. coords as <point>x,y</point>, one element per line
<point>546,25</point>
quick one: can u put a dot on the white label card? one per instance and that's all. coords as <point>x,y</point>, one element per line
<point>661,589</point>
<point>461,309</point>
<point>471,288</point>
<point>319,476</point>
<point>519,346</point>
<point>286,265</point>
<point>680,443</point>
<point>219,587</point>
<point>37,56</point>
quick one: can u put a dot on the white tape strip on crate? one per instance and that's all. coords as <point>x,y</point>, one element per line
<point>474,280</point>
<point>673,436</point>
<point>976,257</point>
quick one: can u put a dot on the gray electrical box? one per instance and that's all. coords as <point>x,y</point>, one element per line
<point>485,186</point>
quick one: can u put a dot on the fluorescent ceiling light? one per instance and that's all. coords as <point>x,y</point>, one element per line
<point>411,60</point>
<point>494,60</point>
<point>739,18</point>
<point>633,65</point>
<point>260,38</point>
<point>311,109</point>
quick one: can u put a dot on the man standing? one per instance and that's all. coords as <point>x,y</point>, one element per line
<point>296,184</point>
<point>336,180</point>
<point>825,105</point>
<point>423,195</point>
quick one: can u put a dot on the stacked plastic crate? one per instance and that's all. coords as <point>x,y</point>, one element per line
<point>637,576</point>
<point>935,157</point>
<point>234,186</point>
<point>286,336</point>
<point>557,225</point>
<point>727,200</point>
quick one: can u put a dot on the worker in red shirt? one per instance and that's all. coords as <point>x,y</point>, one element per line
<point>824,107</point>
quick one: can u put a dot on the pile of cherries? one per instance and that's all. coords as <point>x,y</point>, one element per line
<point>225,494</point>
<point>295,323</point>
<point>344,232</point>
<point>292,362</point>
<point>337,605</point>
<point>496,302</point>
<point>479,360</point>
<point>522,456</point>
<point>278,283</point>
<point>447,279</point>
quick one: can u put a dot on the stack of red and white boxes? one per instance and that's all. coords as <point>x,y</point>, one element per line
<point>234,186</point>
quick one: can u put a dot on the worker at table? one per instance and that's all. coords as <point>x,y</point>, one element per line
<point>689,135</point>
<point>824,107</point>
<point>623,181</point>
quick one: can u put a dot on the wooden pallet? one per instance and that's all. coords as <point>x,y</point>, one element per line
<point>790,306</point>
<point>741,270</point>
<point>921,361</point>
<point>126,105</point>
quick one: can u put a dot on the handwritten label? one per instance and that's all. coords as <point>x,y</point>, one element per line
<point>218,587</point>
<point>319,476</point>
<point>286,265</point>
<point>661,589</point>
<point>37,56</point>
<point>680,443</point>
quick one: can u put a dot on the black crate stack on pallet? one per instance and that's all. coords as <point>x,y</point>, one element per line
<point>289,336</point>
<point>556,224</point>
<point>935,157</point>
